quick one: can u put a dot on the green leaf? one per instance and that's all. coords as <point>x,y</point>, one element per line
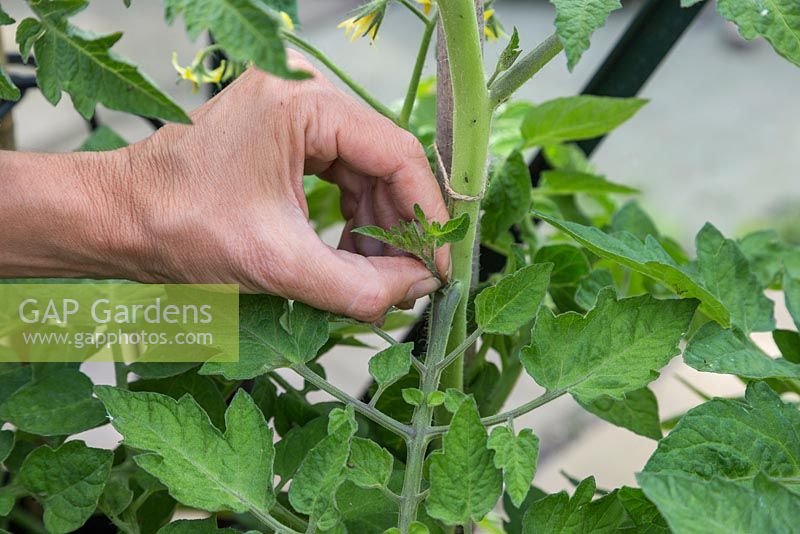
<point>632,218</point>
<point>465,485</point>
<point>149,370</point>
<point>5,18</point>
<point>6,444</point>
<point>568,157</point>
<point>577,20</point>
<point>201,388</point>
<point>247,30</point>
<point>575,118</point>
<point>637,411</point>
<point>642,512</point>
<point>293,448</point>
<point>764,250</point>
<point>201,466</point>
<point>435,398</point>
<point>413,396</point>
<point>716,350</point>
<point>323,469</point>
<point>7,500</point>
<point>68,481</point>
<point>103,139</point>
<point>791,291</point>
<point>719,506</point>
<point>590,286</point>
<point>648,258</point>
<point>509,54</point>
<point>82,64</point>
<point>618,347</point>
<point>58,403</point>
<point>570,264</point>
<point>12,377</point>
<point>453,399</point>
<point>391,364</point>
<point>561,513</point>
<point>726,272</point>
<point>8,91</point>
<point>504,307</point>
<point>196,526</point>
<point>516,456</point>
<point>272,334</point>
<point>287,6</point>
<point>117,495</point>
<point>777,21</point>
<point>571,182</point>
<point>734,439</point>
<point>370,465</point>
<point>788,341</point>
<point>508,199</point>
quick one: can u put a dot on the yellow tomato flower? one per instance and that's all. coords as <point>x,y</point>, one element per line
<point>197,72</point>
<point>287,21</point>
<point>492,28</point>
<point>427,5</point>
<point>356,27</point>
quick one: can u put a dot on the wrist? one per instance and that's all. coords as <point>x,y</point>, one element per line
<point>68,215</point>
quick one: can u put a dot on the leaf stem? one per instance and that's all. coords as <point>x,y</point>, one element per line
<point>383,334</point>
<point>523,70</point>
<point>287,516</point>
<point>416,74</point>
<point>334,68</point>
<point>529,406</point>
<point>363,408</point>
<point>415,10</point>
<point>458,351</point>
<point>273,523</point>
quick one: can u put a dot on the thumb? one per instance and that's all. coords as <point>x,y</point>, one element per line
<point>356,286</point>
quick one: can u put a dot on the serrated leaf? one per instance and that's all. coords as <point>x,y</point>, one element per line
<point>287,6</point>
<point>435,398</point>
<point>201,466</point>
<point>453,399</point>
<point>452,231</point>
<point>82,64</point>
<point>509,54</point>
<point>508,199</point>
<point>153,370</point>
<point>323,469</point>
<point>103,139</point>
<point>648,258</point>
<point>642,512</point>
<point>777,21</point>
<point>716,350</point>
<point>247,30</point>
<point>369,465</point>
<point>8,91</point>
<point>59,403</point>
<point>465,485</point>
<point>577,20</point>
<point>633,219</point>
<point>504,307</point>
<point>201,388</point>
<point>637,411</point>
<point>271,335</point>
<point>391,364</point>
<point>570,265</point>
<point>764,251</point>
<point>719,506</point>
<point>12,377</point>
<point>575,118</point>
<point>68,481</point>
<point>572,182</point>
<point>735,440</point>
<point>117,495</point>
<point>726,272</point>
<point>516,456</point>
<point>290,451</point>
<point>619,346</point>
<point>564,514</point>
<point>590,286</point>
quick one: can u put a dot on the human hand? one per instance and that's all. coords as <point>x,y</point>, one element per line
<point>222,200</point>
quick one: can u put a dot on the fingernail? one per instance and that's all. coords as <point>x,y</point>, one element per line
<point>422,288</point>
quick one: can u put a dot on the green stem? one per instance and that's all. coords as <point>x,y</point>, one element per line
<point>529,406</point>
<point>273,523</point>
<point>443,304</point>
<point>416,74</point>
<point>383,334</point>
<point>286,516</point>
<point>414,9</point>
<point>471,125</point>
<point>523,70</point>
<point>458,351</point>
<point>334,68</point>
<point>363,408</point>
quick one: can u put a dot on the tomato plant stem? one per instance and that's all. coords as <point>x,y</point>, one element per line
<point>415,10</point>
<point>318,54</point>
<point>471,126</point>
<point>416,75</point>
<point>444,304</point>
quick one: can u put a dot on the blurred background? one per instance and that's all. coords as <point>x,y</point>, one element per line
<point>719,141</point>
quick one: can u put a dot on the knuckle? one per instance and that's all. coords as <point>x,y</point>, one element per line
<point>370,303</point>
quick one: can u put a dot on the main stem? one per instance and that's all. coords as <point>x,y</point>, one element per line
<point>471,126</point>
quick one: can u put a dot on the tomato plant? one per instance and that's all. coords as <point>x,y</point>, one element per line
<point>593,302</point>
